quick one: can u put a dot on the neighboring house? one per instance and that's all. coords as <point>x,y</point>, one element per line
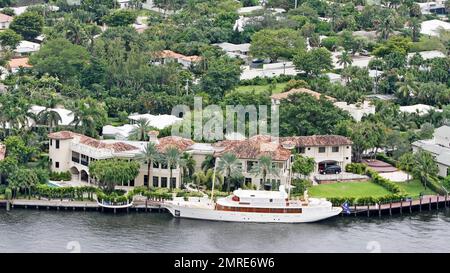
<point>335,78</point>
<point>439,147</point>
<point>22,9</point>
<point>428,55</point>
<point>15,64</point>
<point>235,50</point>
<point>358,110</point>
<point>419,109</point>
<point>124,4</point>
<point>69,151</point>
<point>26,48</point>
<point>5,20</point>
<point>433,27</point>
<point>432,7</point>
<point>67,116</point>
<point>157,121</point>
<point>167,56</point>
<point>250,150</point>
<point>325,149</point>
<point>276,98</point>
<point>268,70</point>
<point>123,132</point>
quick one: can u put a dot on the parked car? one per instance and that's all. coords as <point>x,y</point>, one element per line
<point>332,169</point>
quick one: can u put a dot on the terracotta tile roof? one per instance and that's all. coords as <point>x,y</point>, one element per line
<point>5,18</point>
<point>180,143</point>
<point>115,146</point>
<point>173,55</point>
<point>285,95</point>
<point>19,62</point>
<point>253,148</point>
<point>316,140</point>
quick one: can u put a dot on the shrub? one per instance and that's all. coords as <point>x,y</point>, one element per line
<point>358,168</point>
<point>385,183</point>
<point>300,186</point>
<point>436,186</point>
<point>58,176</point>
<point>387,159</point>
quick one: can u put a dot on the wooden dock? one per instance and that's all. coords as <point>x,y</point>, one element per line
<point>146,206</point>
<point>426,203</point>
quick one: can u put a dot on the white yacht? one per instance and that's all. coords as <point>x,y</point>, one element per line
<point>254,206</point>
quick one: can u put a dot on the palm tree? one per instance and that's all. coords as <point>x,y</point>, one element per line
<point>425,167</point>
<point>208,163</point>
<point>344,59</point>
<point>386,27</point>
<point>172,157</point>
<point>415,26</point>
<point>149,155</point>
<point>199,178</point>
<point>187,166</point>
<point>264,167</point>
<point>88,115</point>
<point>140,133</point>
<point>49,117</point>
<point>406,163</point>
<point>407,87</point>
<point>229,167</point>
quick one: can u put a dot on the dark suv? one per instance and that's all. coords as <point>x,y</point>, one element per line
<point>332,169</point>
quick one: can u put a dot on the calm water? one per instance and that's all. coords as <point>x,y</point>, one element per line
<point>53,231</point>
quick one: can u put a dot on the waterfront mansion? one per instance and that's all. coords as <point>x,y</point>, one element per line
<point>69,151</point>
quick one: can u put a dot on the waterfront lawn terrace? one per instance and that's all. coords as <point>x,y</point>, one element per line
<point>278,88</point>
<point>348,189</point>
<point>413,188</point>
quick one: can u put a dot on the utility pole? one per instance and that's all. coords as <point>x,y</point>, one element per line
<point>296,2</point>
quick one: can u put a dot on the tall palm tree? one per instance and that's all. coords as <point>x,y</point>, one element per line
<point>149,155</point>
<point>49,117</point>
<point>187,166</point>
<point>425,167</point>
<point>264,167</point>
<point>345,59</point>
<point>208,163</point>
<point>88,115</point>
<point>386,27</point>
<point>229,167</point>
<point>407,87</point>
<point>406,163</point>
<point>140,133</point>
<point>415,27</point>
<point>172,157</point>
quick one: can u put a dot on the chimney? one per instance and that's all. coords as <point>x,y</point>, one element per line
<point>153,136</point>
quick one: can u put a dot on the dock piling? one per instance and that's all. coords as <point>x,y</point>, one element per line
<point>368,210</point>
<point>401,206</point>
<point>390,208</point>
<point>429,204</point>
<point>437,202</point>
<point>410,205</point>
<point>420,204</point>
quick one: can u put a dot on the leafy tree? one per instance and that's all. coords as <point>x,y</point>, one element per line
<point>222,75</point>
<point>303,114</point>
<point>112,172</point>
<point>29,25</point>
<point>229,167</point>
<point>61,58</point>
<point>18,149</point>
<point>49,117</point>
<point>314,61</point>
<point>120,18</point>
<point>303,165</point>
<point>24,179</point>
<point>275,43</point>
<point>9,39</point>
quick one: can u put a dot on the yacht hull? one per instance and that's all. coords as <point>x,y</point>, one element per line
<point>209,213</point>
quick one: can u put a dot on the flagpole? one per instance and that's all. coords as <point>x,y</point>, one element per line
<point>214,179</point>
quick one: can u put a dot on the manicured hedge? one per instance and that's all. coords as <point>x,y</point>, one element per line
<point>358,168</point>
<point>369,200</point>
<point>385,183</point>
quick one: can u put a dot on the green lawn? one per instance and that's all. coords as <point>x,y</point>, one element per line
<point>348,189</point>
<point>414,188</point>
<point>260,88</point>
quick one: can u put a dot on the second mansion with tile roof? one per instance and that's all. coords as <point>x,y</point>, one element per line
<point>69,151</point>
